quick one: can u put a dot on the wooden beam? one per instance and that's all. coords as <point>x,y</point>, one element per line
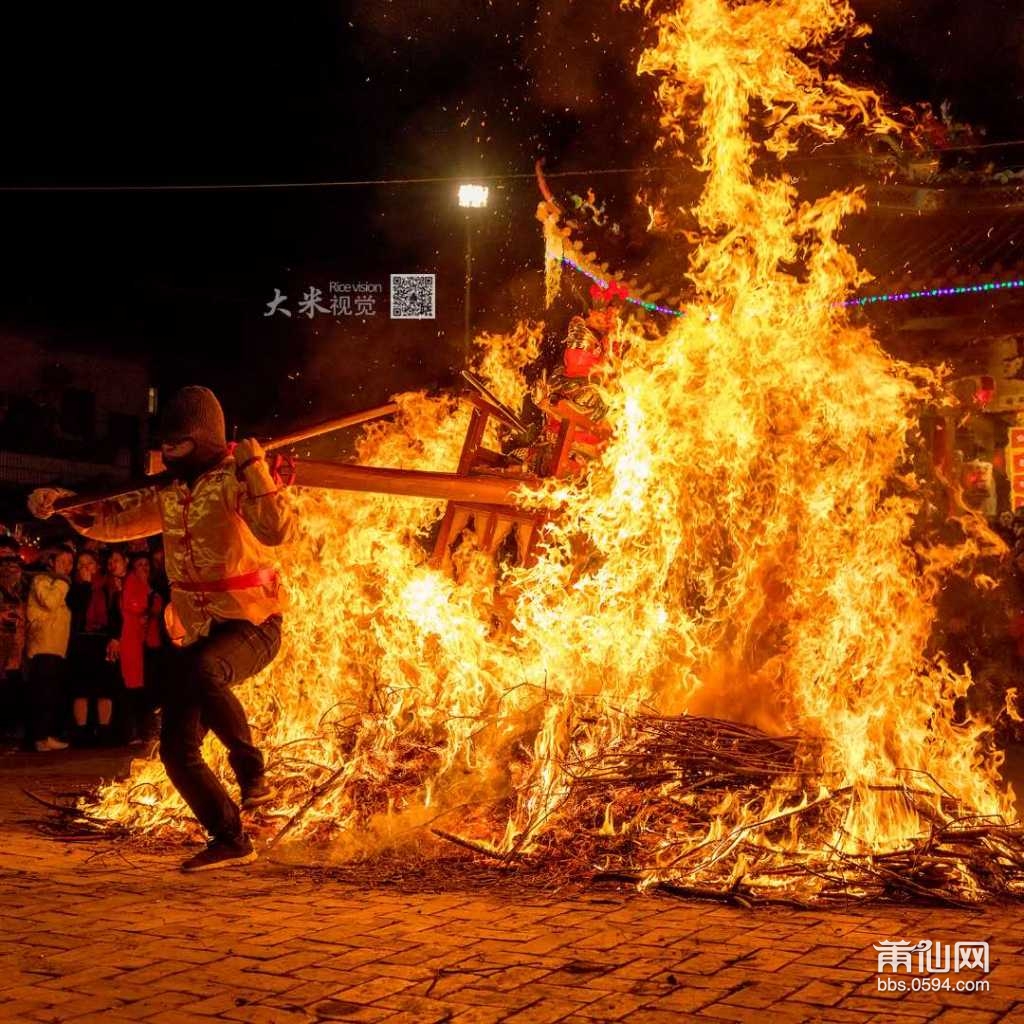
<point>338,423</point>
<point>411,483</point>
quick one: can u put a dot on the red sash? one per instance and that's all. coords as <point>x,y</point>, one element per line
<point>257,578</point>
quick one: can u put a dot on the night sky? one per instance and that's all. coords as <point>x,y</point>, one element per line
<point>327,91</point>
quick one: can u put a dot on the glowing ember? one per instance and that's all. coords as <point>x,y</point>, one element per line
<point>742,552</point>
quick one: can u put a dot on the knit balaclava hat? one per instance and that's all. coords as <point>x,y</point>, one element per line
<point>195,414</point>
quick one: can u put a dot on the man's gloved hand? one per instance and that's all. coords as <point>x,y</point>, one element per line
<point>247,451</point>
<point>40,501</point>
<point>251,466</point>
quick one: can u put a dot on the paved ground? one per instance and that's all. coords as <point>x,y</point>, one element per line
<point>91,932</point>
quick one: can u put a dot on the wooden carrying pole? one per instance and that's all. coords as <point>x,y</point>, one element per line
<point>339,423</point>
<point>413,483</point>
<point>339,476</point>
<point>156,478</point>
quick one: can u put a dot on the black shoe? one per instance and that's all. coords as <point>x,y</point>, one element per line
<point>256,793</point>
<point>222,853</point>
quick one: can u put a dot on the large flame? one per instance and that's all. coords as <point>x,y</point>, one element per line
<point>744,548</point>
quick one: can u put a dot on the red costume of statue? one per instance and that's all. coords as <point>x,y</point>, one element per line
<point>573,395</point>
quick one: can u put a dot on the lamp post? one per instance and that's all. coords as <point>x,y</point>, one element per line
<point>471,197</point>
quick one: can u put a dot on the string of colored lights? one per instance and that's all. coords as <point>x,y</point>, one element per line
<point>935,293</point>
<point>653,307</point>
<point>865,300</point>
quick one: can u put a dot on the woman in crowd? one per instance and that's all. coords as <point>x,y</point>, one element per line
<point>115,572</point>
<point>141,608</point>
<point>92,679</point>
<point>107,599</point>
<point>49,627</point>
<point>12,640</point>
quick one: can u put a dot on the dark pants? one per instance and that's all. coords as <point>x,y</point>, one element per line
<point>195,690</point>
<point>12,702</point>
<point>46,674</point>
<point>137,720</point>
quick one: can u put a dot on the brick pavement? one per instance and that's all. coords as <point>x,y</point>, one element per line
<point>96,933</point>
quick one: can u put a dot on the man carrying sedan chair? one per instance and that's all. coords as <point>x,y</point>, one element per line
<point>219,512</point>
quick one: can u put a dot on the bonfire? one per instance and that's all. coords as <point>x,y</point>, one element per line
<point>716,676</point>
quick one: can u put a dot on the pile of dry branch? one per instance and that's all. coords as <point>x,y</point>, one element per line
<point>695,807</point>
<point>708,808</point>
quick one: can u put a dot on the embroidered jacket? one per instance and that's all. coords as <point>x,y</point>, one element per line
<point>216,535</point>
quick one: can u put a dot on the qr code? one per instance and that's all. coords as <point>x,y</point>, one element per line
<point>412,297</point>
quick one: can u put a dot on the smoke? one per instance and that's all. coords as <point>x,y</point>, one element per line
<point>969,54</point>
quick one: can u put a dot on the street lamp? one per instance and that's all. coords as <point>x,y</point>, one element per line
<point>471,197</point>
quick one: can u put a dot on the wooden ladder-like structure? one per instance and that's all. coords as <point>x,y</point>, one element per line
<point>493,523</point>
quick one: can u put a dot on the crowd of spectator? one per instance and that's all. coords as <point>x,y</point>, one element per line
<point>81,630</point>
